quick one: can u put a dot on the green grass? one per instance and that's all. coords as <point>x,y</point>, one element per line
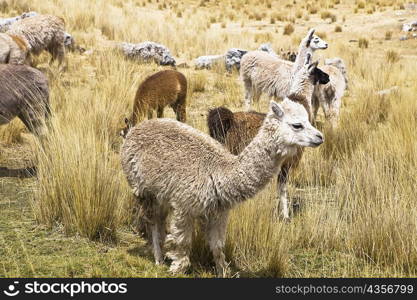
<point>28,249</point>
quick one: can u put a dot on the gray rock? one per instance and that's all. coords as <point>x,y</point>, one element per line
<point>207,61</point>
<point>148,51</point>
<point>6,22</point>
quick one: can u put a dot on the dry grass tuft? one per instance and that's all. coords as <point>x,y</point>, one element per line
<point>392,56</point>
<point>288,29</point>
<point>363,43</point>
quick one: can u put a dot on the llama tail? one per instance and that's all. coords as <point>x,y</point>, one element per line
<point>219,121</point>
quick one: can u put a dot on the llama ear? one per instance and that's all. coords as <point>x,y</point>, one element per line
<point>309,36</point>
<point>277,109</point>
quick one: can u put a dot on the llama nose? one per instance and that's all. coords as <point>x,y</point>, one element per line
<point>320,137</point>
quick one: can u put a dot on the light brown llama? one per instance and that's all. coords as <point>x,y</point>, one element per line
<point>172,167</point>
<point>24,94</point>
<point>167,87</point>
<point>329,96</point>
<point>236,130</point>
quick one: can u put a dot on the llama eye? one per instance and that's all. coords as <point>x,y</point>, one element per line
<point>297,126</point>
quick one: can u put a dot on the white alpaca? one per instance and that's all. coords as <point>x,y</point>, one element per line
<point>171,166</point>
<point>329,96</point>
<point>264,73</point>
<point>307,46</point>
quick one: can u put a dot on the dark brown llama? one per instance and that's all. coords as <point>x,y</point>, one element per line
<point>24,94</point>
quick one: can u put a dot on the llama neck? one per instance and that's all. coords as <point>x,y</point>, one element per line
<point>302,93</point>
<point>253,169</point>
<point>301,57</point>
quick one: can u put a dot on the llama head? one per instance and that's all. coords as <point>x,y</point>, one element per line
<point>314,42</point>
<point>125,130</point>
<point>291,56</point>
<point>292,126</point>
<point>288,55</point>
<point>308,74</point>
<point>68,40</point>
<point>318,76</point>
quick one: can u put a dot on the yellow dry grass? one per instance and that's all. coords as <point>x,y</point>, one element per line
<point>356,192</point>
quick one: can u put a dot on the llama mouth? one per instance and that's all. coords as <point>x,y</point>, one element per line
<point>316,144</point>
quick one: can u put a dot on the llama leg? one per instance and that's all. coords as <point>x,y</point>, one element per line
<point>256,96</point>
<point>178,242</point>
<point>316,105</point>
<point>150,114</point>
<point>282,191</point>
<point>248,94</point>
<point>160,112</point>
<point>157,239</point>
<point>61,54</point>
<point>216,235</point>
<point>157,229</point>
<point>334,110</point>
<point>57,51</point>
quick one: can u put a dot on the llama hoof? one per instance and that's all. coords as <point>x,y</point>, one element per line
<point>224,272</point>
<point>159,261</point>
<point>180,266</point>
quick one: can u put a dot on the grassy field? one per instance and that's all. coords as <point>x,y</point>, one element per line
<point>356,192</point>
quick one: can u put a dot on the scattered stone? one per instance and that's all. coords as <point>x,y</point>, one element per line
<point>208,61</point>
<point>148,51</point>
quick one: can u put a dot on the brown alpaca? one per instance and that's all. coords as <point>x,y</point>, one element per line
<point>168,87</point>
<point>237,130</point>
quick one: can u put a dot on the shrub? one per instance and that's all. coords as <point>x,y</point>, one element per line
<point>363,43</point>
<point>288,29</point>
<point>325,14</point>
<point>392,56</point>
